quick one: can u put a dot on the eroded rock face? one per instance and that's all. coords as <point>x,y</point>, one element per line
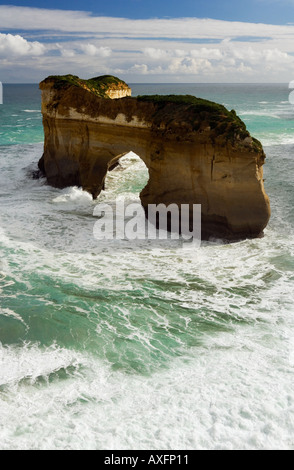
<point>196,151</point>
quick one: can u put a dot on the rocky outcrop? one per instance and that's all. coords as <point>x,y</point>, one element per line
<point>196,151</point>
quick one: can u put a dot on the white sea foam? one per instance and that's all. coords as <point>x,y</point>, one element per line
<point>73,194</point>
<point>89,406</point>
<point>31,110</point>
<point>30,362</point>
<point>268,139</point>
<point>211,398</point>
<point>265,113</point>
<point>6,312</point>
<point>167,348</point>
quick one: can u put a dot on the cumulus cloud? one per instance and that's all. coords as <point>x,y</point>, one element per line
<point>189,66</point>
<point>16,46</point>
<point>188,48</point>
<point>256,56</point>
<point>88,49</point>
<point>159,54</point>
<point>92,50</point>
<point>140,69</point>
<point>66,52</point>
<point>228,57</point>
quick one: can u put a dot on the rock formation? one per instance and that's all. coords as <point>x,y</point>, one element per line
<point>196,151</point>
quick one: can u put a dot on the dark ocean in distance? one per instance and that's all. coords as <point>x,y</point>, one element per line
<point>153,348</point>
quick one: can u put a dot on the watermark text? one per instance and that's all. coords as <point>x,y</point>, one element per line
<point>130,221</point>
<point>291,95</point>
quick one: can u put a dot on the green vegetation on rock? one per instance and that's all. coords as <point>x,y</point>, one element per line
<point>202,104</point>
<point>196,112</point>
<point>96,85</point>
<point>200,113</point>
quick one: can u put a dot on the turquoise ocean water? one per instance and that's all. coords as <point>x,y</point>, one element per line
<point>153,348</point>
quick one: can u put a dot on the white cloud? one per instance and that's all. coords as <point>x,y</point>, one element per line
<point>205,52</point>
<point>74,48</point>
<point>66,53</point>
<point>92,50</point>
<point>190,66</point>
<point>228,57</point>
<point>37,19</point>
<point>157,54</point>
<point>257,55</point>
<point>141,69</point>
<point>188,49</point>
<point>16,46</point>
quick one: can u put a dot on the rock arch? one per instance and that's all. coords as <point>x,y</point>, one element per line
<point>127,173</point>
<point>196,152</point>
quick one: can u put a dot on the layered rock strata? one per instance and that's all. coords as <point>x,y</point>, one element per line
<point>196,151</point>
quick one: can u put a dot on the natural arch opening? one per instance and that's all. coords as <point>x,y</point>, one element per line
<point>127,175</point>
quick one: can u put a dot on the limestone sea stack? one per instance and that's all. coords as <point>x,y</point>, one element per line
<point>196,151</point>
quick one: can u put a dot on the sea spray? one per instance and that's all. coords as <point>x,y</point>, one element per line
<point>152,348</point>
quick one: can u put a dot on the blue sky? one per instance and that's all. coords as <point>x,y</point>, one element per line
<point>148,40</point>
<point>269,11</point>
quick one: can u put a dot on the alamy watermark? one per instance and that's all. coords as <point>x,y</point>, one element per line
<point>1,93</point>
<point>158,222</point>
<point>291,95</point>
